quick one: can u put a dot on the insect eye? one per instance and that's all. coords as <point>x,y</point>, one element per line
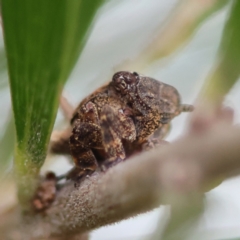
<point>123,80</point>
<point>123,84</point>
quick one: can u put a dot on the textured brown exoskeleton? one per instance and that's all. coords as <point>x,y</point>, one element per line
<point>120,119</point>
<point>153,103</point>
<point>100,122</point>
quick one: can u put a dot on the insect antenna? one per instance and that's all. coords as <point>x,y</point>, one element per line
<point>186,108</point>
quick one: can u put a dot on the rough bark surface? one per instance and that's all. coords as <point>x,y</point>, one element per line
<point>207,152</point>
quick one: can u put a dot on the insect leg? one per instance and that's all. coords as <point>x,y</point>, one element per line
<point>85,136</point>
<point>111,140</point>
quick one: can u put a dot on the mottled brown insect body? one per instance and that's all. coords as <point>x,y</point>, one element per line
<point>153,103</point>
<point>99,125</point>
<point>119,119</point>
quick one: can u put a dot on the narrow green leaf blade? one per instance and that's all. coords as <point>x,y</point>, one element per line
<point>7,145</point>
<point>43,40</point>
<point>227,69</point>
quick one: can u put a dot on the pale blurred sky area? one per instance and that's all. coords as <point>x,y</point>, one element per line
<point>122,30</point>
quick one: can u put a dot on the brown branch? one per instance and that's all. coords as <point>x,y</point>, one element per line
<point>66,107</point>
<point>59,143</point>
<point>140,184</point>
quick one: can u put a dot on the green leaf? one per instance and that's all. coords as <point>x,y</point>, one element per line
<point>180,26</point>
<point>3,69</point>
<point>43,40</point>
<point>186,208</point>
<point>227,69</point>
<point>7,145</point>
